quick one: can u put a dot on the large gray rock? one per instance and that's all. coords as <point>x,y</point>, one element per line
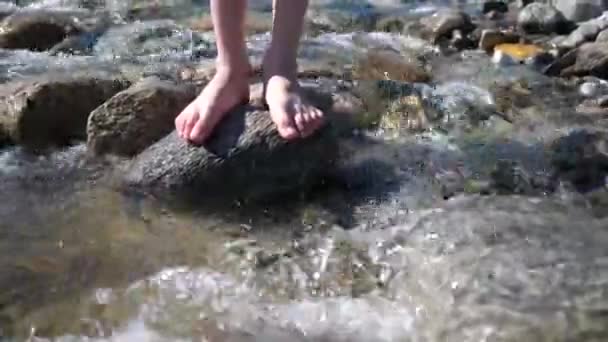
<point>541,18</point>
<point>137,117</point>
<point>581,10</point>
<point>244,157</point>
<point>38,30</point>
<point>591,59</point>
<point>586,32</point>
<point>53,109</point>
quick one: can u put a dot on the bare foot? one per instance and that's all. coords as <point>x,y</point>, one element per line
<point>225,91</point>
<point>294,116</point>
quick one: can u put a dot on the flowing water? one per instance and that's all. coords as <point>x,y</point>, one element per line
<point>385,259</point>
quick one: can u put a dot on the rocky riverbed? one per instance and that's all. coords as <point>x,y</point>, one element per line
<point>459,191</point>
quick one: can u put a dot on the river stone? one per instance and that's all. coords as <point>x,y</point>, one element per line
<point>581,157</point>
<point>349,19</point>
<point>7,9</point>
<point>580,10</point>
<point>137,117</point>
<point>506,268</point>
<point>52,110</point>
<point>585,32</point>
<point>444,22</point>
<point>602,36</point>
<point>490,38</point>
<point>37,30</point>
<point>245,157</point>
<point>541,18</point>
<point>591,59</point>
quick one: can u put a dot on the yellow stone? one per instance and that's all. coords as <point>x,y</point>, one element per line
<point>519,51</point>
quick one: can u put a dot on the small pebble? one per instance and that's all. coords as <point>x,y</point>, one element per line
<point>589,89</point>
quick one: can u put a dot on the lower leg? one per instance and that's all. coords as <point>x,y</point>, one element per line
<point>230,85</point>
<point>291,112</point>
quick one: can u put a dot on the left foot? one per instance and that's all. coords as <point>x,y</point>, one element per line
<point>294,116</point>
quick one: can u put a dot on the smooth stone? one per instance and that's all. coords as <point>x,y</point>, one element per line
<point>580,10</point>
<point>444,22</point>
<point>586,32</point>
<point>52,110</point>
<point>37,30</point>
<point>591,60</point>
<point>491,38</point>
<point>602,36</point>
<point>541,18</point>
<point>137,117</point>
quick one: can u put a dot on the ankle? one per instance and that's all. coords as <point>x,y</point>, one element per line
<point>277,63</point>
<point>242,70</point>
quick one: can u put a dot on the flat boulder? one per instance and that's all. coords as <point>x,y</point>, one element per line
<point>137,117</point>
<point>245,157</point>
<point>590,59</point>
<point>52,110</point>
<point>38,29</point>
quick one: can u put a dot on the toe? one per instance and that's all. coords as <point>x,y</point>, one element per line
<point>180,120</point>
<point>202,129</point>
<point>189,125</point>
<point>300,121</point>
<point>285,124</point>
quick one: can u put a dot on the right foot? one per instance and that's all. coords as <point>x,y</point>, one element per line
<point>225,91</point>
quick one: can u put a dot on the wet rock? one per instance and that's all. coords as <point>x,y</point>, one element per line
<point>53,109</point>
<point>542,18</point>
<point>510,177</point>
<point>148,37</point>
<point>508,269</point>
<point>509,54</point>
<point>591,59</point>
<point>580,10</point>
<point>37,30</point>
<point>602,36</point>
<point>444,22</point>
<point>491,38</point>
<point>585,32</point>
<point>495,6</point>
<point>582,158</point>
<point>83,42</point>
<point>137,117</point>
<point>378,65</point>
<point>245,158</point>
<point>350,19</point>
<point>6,9</point>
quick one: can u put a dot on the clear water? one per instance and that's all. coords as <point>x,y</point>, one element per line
<point>389,260</point>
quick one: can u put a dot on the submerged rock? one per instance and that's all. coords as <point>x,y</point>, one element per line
<point>137,117</point>
<point>147,37</point>
<point>53,109</point>
<point>542,18</point>
<point>444,22</point>
<point>602,36</point>
<point>507,268</point>
<point>582,158</point>
<point>37,30</point>
<point>245,157</point>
